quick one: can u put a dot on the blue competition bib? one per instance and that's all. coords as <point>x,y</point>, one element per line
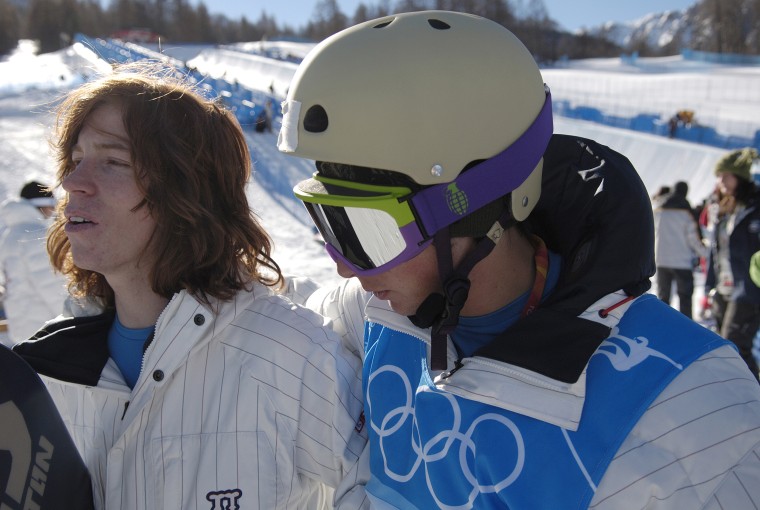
<point>432,449</point>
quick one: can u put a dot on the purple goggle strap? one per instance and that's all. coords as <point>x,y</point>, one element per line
<point>490,179</point>
<point>415,244</point>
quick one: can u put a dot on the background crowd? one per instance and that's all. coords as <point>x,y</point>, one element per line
<point>719,240</point>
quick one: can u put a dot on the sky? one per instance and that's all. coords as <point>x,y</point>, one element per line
<point>570,14</point>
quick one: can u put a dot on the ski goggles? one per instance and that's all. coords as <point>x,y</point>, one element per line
<point>373,228</point>
<point>369,228</point>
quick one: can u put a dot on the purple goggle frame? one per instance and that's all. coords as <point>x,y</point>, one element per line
<point>440,205</point>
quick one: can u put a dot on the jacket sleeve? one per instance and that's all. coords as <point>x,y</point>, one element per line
<point>706,456</point>
<point>345,306</point>
<point>694,239</point>
<point>331,434</point>
<point>351,493</point>
<point>738,488</point>
<point>298,288</point>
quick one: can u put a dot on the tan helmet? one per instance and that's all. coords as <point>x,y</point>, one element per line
<point>422,93</point>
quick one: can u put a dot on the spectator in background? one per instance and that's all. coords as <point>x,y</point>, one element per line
<point>268,114</point>
<point>677,247</point>
<point>708,215</point>
<point>735,238</point>
<point>682,118</point>
<point>187,381</point>
<point>661,194</point>
<point>707,219</point>
<point>34,293</point>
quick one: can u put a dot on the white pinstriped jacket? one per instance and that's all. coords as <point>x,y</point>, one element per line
<point>256,406</point>
<point>697,446</point>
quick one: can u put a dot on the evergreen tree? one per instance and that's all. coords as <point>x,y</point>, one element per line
<point>9,27</point>
<point>93,20</point>
<point>723,26</point>
<point>44,24</point>
<point>326,20</point>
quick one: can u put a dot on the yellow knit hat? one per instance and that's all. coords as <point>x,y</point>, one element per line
<point>737,162</point>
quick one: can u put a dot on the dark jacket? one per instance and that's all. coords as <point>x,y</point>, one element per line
<point>73,349</point>
<point>595,212</point>
<point>743,242</point>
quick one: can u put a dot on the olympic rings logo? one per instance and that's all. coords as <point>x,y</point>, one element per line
<point>442,445</point>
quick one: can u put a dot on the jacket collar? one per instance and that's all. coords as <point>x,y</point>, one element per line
<point>73,349</point>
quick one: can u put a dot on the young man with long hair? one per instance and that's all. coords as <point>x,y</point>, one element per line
<point>185,380</point>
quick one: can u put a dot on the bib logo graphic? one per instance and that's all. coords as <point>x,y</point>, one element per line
<point>224,500</point>
<point>21,487</point>
<point>626,353</point>
<point>456,199</point>
<point>447,451</point>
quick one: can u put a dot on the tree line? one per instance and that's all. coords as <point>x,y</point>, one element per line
<point>724,26</point>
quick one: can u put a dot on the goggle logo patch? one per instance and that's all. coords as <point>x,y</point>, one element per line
<point>456,199</point>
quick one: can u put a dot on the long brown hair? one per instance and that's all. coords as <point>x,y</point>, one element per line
<point>192,164</point>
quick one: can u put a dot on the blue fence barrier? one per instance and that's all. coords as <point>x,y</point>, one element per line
<point>654,124</point>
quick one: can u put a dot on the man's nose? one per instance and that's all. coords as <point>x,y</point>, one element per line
<point>344,270</point>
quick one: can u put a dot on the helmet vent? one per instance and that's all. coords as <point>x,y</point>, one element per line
<point>438,24</point>
<point>315,120</point>
<point>383,24</point>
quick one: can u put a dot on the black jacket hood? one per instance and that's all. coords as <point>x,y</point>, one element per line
<point>595,212</point>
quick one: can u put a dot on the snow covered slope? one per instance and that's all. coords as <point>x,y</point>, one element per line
<point>30,84</point>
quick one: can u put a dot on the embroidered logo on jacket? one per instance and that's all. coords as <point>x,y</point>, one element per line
<point>225,500</point>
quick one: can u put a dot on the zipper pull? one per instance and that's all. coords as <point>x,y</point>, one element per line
<point>457,365</point>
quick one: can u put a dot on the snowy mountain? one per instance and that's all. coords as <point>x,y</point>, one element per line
<point>658,30</point>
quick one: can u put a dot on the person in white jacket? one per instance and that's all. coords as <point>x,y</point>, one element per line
<point>498,277</point>
<point>34,293</point>
<point>186,379</point>
<point>678,247</point>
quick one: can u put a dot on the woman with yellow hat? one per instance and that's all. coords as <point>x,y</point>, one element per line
<point>736,237</point>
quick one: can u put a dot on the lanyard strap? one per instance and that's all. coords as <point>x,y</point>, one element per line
<point>539,281</point>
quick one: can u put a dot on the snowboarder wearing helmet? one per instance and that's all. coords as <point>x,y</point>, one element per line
<point>512,358</point>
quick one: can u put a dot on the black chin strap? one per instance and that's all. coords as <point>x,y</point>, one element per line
<point>441,312</point>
